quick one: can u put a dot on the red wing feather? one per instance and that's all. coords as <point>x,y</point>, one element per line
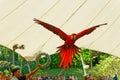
<point>88,31</point>
<point>52,28</point>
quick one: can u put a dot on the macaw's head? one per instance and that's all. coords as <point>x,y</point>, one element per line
<point>73,36</point>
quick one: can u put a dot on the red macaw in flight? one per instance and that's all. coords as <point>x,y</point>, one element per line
<point>68,49</point>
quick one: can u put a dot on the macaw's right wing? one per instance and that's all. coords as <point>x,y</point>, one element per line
<point>52,28</point>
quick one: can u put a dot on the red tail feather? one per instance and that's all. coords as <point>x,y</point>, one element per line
<point>66,54</point>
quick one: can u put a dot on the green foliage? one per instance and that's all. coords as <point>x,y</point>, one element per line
<point>54,61</point>
<point>76,68</point>
<point>6,72</point>
<point>58,71</point>
<point>86,55</point>
<point>4,65</point>
<point>109,66</point>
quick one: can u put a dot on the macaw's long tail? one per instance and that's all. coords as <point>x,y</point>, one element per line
<point>66,53</point>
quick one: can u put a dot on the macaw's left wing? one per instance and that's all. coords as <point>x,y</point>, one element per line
<point>88,31</point>
<point>52,28</point>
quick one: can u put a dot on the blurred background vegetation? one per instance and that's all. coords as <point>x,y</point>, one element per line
<point>100,64</point>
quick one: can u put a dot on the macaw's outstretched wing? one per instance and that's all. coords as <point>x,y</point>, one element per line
<point>88,31</point>
<point>52,28</point>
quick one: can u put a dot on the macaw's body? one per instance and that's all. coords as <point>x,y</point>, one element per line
<point>68,49</point>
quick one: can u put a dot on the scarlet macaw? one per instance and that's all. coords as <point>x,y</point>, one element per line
<point>68,49</point>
